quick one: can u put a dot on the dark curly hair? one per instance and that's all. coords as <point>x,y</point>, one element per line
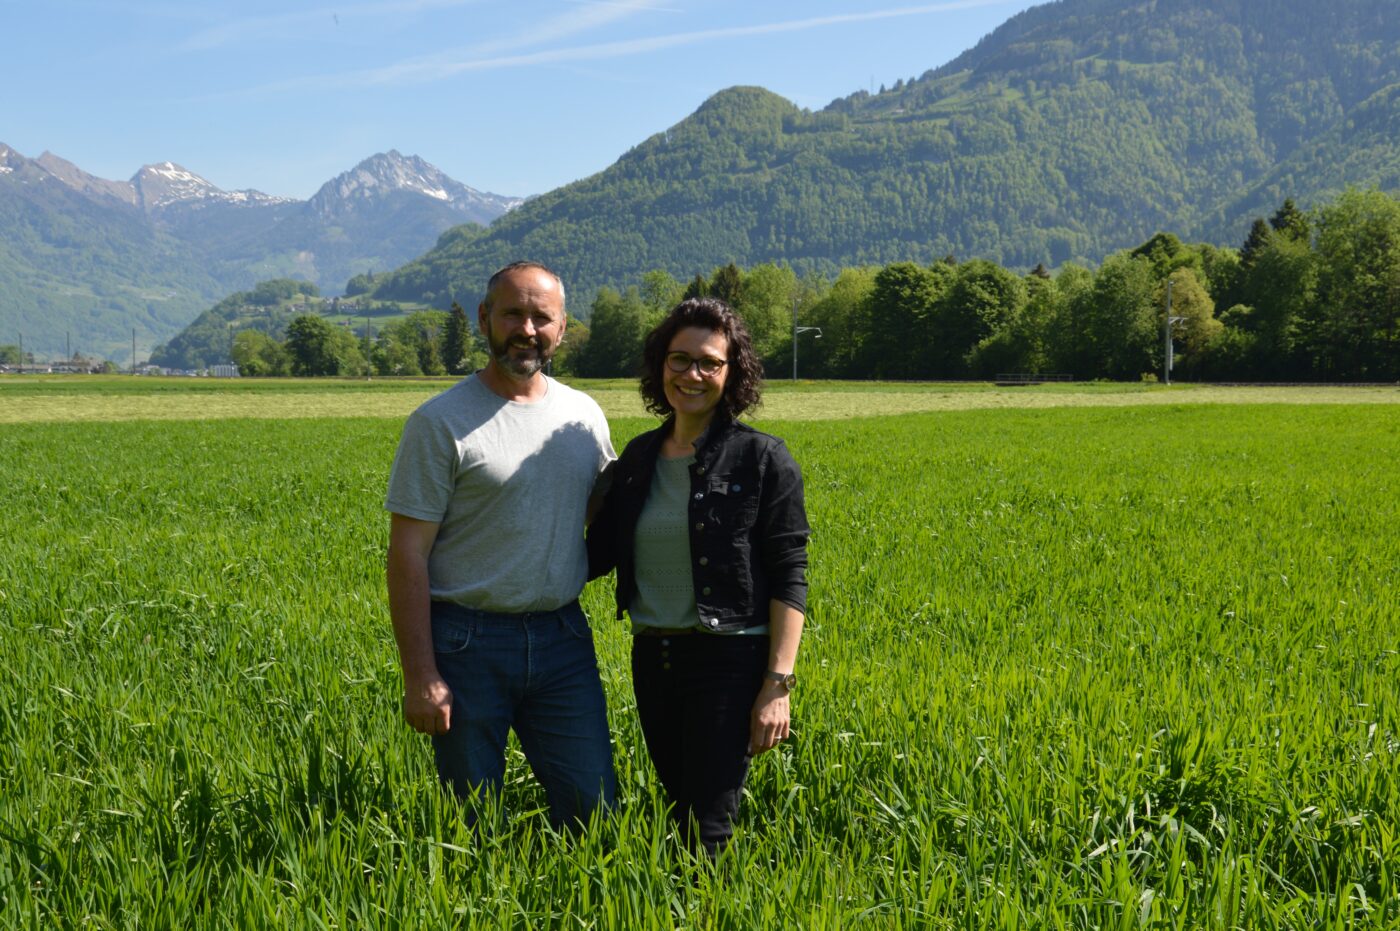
<point>744,385</point>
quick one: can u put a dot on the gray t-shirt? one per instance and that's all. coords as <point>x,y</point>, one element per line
<point>509,485</point>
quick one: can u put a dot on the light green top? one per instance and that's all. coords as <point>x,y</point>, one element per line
<point>665,586</point>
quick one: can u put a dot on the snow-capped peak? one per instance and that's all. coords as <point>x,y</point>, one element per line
<point>389,172</point>
<point>167,183</point>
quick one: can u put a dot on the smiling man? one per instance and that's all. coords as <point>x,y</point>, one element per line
<point>489,495</point>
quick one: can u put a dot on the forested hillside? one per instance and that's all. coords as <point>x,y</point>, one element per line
<point>1077,128</point>
<point>1308,296</point>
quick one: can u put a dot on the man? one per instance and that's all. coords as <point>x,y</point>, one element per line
<point>489,495</point>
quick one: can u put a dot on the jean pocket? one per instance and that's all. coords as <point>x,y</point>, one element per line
<point>452,634</point>
<point>576,623</point>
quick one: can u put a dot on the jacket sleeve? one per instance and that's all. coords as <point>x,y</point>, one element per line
<point>605,533</point>
<point>783,527</point>
<point>602,534</point>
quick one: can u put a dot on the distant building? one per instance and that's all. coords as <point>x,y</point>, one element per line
<point>76,367</point>
<point>223,371</point>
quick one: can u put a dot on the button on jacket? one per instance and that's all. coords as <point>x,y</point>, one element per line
<point>748,525</point>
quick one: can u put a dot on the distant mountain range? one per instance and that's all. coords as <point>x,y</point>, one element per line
<point>1075,129</point>
<point>84,260</point>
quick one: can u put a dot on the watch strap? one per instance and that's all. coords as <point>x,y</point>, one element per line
<point>786,679</point>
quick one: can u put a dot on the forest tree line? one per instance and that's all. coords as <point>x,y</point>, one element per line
<point>1308,296</point>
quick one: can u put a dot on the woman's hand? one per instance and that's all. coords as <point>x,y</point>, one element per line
<point>768,722</point>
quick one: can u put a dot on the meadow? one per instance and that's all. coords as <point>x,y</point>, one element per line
<point>1107,657</point>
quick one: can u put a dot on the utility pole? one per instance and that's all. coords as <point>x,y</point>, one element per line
<point>369,350</point>
<point>798,330</point>
<point>133,350</point>
<point>21,353</point>
<point>1167,322</point>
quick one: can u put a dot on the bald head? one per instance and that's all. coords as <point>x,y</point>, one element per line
<point>523,321</point>
<point>511,270</point>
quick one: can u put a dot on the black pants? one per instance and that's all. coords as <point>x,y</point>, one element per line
<point>695,693</point>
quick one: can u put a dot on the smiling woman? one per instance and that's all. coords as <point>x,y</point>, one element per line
<point>706,526</point>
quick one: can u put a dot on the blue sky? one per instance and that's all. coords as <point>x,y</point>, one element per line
<point>511,97</point>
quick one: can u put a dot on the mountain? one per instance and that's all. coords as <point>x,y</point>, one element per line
<point>383,177</point>
<point>91,185</point>
<point>371,218</point>
<point>168,186</point>
<point>95,259</point>
<point>1075,129</point>
<point>78,257</point>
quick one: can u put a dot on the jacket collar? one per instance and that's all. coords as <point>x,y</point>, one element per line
<point>705,444</point>
<point>718,426</point>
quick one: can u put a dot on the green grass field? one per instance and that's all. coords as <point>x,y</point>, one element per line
<point>1070,665</point>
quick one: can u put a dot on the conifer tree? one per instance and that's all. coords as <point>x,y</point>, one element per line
<point>1258,238</point>
<point>456,342</point>
<point>1289,221</point>
<point>728,285</point>
<point>698,287</point>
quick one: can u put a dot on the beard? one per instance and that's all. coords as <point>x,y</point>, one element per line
<point>512,354</point>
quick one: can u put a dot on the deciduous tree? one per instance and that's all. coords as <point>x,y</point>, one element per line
<point>255,353</point>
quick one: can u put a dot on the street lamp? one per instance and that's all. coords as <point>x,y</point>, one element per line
<point>796,330</point>
<point>1167,323</point>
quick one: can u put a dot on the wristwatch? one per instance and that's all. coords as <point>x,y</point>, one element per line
<point>787,679</point>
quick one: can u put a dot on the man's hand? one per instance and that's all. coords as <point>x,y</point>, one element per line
<point>768,722</point>
<point>427,701</point>
<point>427,705</point>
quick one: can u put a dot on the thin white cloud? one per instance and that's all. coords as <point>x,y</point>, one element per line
<point>552,30</point>
<point>588,16</point>
<point>440,67</point>
<point>137,9</point>
<point>623,3</point>
<point>591,14</point>
<point>262,28</point>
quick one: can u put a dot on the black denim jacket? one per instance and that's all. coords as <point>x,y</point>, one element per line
<point>748,525</point>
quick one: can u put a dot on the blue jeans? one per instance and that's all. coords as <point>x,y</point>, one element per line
<point>536,673</point>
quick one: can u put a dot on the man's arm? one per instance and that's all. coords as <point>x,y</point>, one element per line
<point>427,701</point>
<point>769,720</point>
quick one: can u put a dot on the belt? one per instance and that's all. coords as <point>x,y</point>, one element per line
<point>664,631</point>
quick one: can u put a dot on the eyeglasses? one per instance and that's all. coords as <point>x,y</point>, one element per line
<point>706,366</point>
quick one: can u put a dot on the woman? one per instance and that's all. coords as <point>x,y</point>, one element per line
<point>705,523</point>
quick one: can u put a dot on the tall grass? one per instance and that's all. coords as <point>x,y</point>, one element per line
<point>1063,668</point>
